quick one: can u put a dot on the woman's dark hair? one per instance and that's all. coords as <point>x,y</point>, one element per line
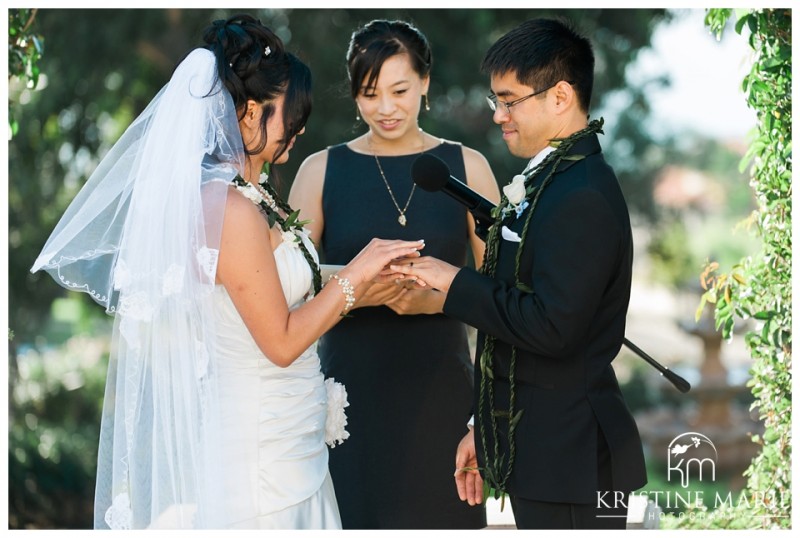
<point>240,45</point>
<point>373,44</point>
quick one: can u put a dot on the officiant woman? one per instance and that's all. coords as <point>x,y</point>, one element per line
<point>406,366</point>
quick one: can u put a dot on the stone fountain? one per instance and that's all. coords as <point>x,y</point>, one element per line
<point>714,407</point>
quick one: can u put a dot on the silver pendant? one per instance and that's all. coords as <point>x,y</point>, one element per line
<point>402,220</point>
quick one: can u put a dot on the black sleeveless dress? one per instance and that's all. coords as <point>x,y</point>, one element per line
<point>408,378</point>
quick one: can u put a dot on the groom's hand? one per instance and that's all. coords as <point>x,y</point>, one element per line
<point>428,271</point>
<point>468,479</point>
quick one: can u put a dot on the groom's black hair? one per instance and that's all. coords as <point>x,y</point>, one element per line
<point>542,52</point>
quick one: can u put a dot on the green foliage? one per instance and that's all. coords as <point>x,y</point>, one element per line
<point>25,49</point>
<point>672,261</point>
<point>53,434</point>
<point>678,252</point>
<point>759,287</point>
<point>675,249</point>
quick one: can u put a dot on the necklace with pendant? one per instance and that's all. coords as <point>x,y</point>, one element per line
<point>402,219</point>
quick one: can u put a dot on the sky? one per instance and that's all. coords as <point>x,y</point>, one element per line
<point>706,77</point>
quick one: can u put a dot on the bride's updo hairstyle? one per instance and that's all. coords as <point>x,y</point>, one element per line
<point>253,64</point>
<point>373,44</point>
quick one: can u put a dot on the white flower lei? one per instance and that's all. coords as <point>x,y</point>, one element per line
<point>258,195</point>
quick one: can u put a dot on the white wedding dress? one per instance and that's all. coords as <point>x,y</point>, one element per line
<point>276,460</point>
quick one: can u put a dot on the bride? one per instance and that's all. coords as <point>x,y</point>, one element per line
<point>215,407</point>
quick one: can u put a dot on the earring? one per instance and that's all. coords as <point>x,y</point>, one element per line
<point>427,104</point>
<point>358,117</point>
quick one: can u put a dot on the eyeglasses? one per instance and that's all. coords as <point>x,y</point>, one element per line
<point>493,101</point>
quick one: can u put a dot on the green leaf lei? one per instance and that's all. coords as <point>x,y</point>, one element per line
<point>271,204</point>
<point>497,471</point>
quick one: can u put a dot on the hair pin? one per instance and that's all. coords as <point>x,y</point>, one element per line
<point>267,50</point>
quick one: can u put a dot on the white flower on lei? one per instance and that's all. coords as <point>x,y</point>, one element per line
<point>290,237</point>
<point>251,193</point>
<point>336,419</point>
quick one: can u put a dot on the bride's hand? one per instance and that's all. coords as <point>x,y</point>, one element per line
<point>376,255</point>
<point>379,294</point>
<point>417,301</point>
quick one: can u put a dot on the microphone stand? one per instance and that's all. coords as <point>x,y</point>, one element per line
<point>680,383</point>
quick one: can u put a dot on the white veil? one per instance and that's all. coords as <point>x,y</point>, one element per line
<point>142,238</point>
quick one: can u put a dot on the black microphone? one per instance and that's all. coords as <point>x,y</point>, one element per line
<point>432,174</point>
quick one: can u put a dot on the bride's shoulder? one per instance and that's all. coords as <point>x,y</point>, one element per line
<point>240,210</point>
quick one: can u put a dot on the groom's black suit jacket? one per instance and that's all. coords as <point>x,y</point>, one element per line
<point>577,260</point>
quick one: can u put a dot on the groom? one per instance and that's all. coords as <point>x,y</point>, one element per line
<point>551,427</point>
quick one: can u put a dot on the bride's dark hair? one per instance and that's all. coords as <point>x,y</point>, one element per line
<point>253,64</point>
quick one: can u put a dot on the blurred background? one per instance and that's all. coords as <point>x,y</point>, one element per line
<point>676,129</point>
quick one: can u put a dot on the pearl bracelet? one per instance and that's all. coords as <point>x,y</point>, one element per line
<point>348,290</point>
